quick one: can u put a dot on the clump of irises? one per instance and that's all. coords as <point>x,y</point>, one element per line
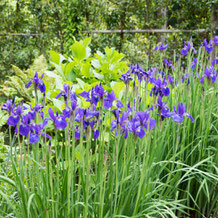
<point>128,118</point>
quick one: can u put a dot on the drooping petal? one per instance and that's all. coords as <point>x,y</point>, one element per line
<point>140,132</point>
<point>28,84</point>
<point>177,118</point>
<point>24,130</point>
<point>119,104</point>
<point>166,91</point>
<point>13,120</point>
<point>96,134</point>
<point>152,123</point>
<point>60,123</point>
<point>42,87</point>
<point>113,125</point>
<point>84,94</point>
<point>33,138</point>
<point>184,51</point>
<point>58,95</point>
<point>213,78</point>
<point>126,133</point>
<point>189,116</point>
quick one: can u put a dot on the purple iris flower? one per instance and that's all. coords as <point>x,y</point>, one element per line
<point>148,75</point>
<point>208,46</point>
<point>70,111</point>
<point>64,92</point>
<point>187,47</point>
<point>163,109</point>
<point>209,73</point>
<point>13,120</point>
<point>180,113</point>
<point>15,115</point>
<point>9,106</point>
<point>160,87</point>
<point>140,121</point>
<point>25,125</point>
<point>90,96</point>
<point>59,120</point>
<point>99,91</point>
<point>120,122</point>
<point>119,104</point>
<point>36,130</point>
<point>92,123</point>
<point>108,101</point>
<point>35,110</point>
<point>80,113</point>
<point>161,47</point>
<point>126,78</point>
<point>171,80</point>
<point>165,113</point>
<point>138,71</point>
<point>215,40</point>
<point>88,119</point>
<point>38,82</point>
<point>168,63</point>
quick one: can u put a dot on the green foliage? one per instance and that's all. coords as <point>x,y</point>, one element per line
<point>83,68</point>
<point>16,85</point>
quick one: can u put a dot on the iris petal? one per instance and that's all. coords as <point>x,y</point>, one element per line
<point>33,138</point>
<point>60,123</point>
<point>28,84</point>
<point>96,134</point>
<point>189,116</point>
<point>177,118</point>
<point>140,132</point>
<point>13,120</point>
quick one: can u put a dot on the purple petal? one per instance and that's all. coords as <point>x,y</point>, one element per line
<point>96,134</point>
<point>140,132</point>
<point>189,116</point>
<point>24,130</point>
<point>28,84</point>
<point>42,87</point>
<point>119,104</point>
<point>177,118</point>
<point>59,95</point>
<point>152,123</point>
<point>60,123</point>
<point>84,94</point>
<point>33,138</point>
<point>184,51</point>
<point>113,125</point>
<point>13,120</point>
<point>51,113</point>
<point>166,91</point>
<point>77,134</point>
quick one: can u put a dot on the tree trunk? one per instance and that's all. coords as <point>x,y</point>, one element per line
<point>162,13</point>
